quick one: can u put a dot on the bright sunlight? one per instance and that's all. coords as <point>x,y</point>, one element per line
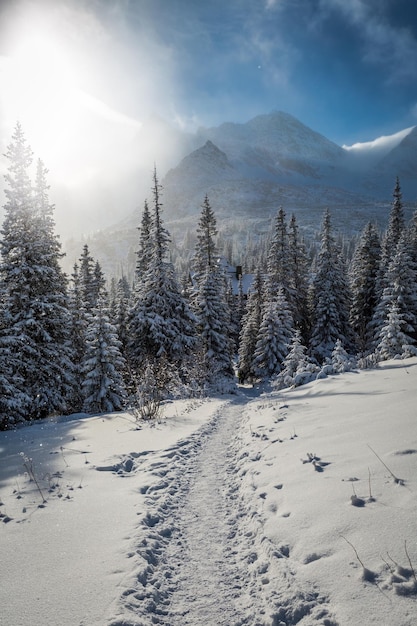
<point>43,86</point>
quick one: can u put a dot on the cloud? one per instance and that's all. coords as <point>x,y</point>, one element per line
<point>391,47</point>
<point>382,144</point>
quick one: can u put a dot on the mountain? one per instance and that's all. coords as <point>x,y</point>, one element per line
<point>403,158</point>
<point>277,143</point>
<point>249,170</point>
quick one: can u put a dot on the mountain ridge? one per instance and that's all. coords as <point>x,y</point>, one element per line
<point>249,170</point>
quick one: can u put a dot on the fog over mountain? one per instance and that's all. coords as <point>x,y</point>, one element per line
<point>249,170</point>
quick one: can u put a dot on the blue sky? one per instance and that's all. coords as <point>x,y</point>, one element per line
<point>346,68</point>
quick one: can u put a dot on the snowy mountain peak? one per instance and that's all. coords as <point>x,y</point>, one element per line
<point>200,166</point>
<point>278,133</point>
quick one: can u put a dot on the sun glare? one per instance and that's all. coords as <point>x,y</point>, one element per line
<point>46,87</point>
<point>40,84</point>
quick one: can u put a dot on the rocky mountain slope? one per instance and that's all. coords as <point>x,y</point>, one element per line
<point>249,170</point>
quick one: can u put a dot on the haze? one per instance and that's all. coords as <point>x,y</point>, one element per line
<point>93,83</point>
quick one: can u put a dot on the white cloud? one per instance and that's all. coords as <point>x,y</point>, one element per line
<point>382,144</point>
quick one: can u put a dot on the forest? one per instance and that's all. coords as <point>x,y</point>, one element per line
<point>90,343</point>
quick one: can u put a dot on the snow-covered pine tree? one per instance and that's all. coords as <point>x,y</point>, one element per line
<point>144,252</point>
<point>78,326</point>
<point>87,279</point>
<point>161,324</point>
<point>34,290</point>
<point>392,235</point>
<point>239,310</point>
<point>298,269</point>
<point>206,255</point>
<point>341,361</point>
<point>103,365</point>
<point>14,402</point>
<point>330,298</point>
<point>278,260</point>
<point>401,288</point>
<point>99,283</point>
<point>251,323</point>
<point>274,337</point>
<point>209,303</point>
<point>363,276</point>
<point>296,368</point>
<point>393,341</point>
<point>122,303</point>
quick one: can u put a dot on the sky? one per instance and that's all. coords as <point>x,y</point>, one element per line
<point>84,76</point>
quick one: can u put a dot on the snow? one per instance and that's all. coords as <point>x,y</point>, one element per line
<point>263,508</point>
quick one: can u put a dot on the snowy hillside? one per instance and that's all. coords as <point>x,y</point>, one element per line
<point>249,170</point>
<point>264,508</point>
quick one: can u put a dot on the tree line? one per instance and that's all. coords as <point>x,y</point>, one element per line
<point>70,344</point>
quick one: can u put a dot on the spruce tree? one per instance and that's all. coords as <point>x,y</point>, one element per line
<point>209,303</point>
<point>401,288</point>
<point>78,326</point>
<point>278,259</point>
<point>34,288</point>
<point>392,235</point>
<point>298,275</point>
<point>341,361</point>
<point>206,253</point>
<point>363,278</point>
<point>122,303</point>
<point>274,337</point>
<point>87,279</point>
<point>297,369</point>
<point>330,298</point>
<point>103,365</point>
<point>251,323</point>
<point>393,341</point>
<point>161,325</point>
<point>144,253</point>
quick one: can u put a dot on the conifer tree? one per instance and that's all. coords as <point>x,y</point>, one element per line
<point>341,361</point>
<point>121,320</point>
<point>298,276</point>
<point>78,326</point>
<point>330,298</point>
<point>161,325</point>
<point>144,253</point>
<point>206,253</point>
<point>297,369</point>
<point>278,259</point>
<point>363,278</point>
<point>392,235</point>
<point>103,365</point>
<point>251,323</point>
<point>393,341</point>
<point>274,337</point>
<point>34,288</point>
<point>213,320</point>
<point>99,283</point>
<point>401,288</point>
<point>210,306</point>
<point>87,279</point>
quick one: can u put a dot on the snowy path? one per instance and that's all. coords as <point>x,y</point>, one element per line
<point>202,556</point>
<point>208,586</point>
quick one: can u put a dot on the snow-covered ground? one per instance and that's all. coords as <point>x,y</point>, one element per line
<point>263,508</point>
